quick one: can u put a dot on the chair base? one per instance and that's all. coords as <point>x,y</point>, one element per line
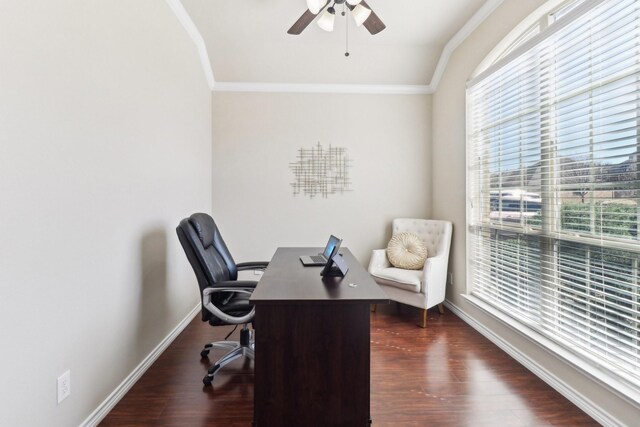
<point>235,350</point>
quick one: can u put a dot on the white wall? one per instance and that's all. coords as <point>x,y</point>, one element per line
<point>105,144</point>
<point>255,138</point>
<point>448,178</point>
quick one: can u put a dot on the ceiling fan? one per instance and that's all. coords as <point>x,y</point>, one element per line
<point>361,11</point>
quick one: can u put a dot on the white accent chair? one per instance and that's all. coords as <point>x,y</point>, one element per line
<point>420,288</point>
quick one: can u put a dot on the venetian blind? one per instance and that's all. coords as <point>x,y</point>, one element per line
<point>554,185</point>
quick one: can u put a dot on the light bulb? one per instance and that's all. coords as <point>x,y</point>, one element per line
<point>360,14</point>
<point>314,6</point>
<point>327,19</point>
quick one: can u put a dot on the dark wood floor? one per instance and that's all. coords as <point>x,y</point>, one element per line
<point>445,375</point>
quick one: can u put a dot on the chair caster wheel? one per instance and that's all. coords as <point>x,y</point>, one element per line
<point>207,380</point>
<point>204,354</point>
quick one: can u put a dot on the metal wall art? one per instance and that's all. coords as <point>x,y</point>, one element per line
<point>320,172</point>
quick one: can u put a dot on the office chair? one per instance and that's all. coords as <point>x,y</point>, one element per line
<point>225,300</point>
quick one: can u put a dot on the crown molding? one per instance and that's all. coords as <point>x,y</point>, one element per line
<point>322,88</point>
<point>183,16</point>
<point>478,18</point>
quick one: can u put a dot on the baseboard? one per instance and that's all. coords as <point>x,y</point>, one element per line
<point>103,409</point>
<point>574,396</point>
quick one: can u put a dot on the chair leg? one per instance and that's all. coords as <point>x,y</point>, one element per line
<point>374,307</point>
<point>229,357</point>
<point>222,345</point>
<point>441,308</point>
<point>423,318</point>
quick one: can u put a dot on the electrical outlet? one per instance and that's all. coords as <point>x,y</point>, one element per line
<point>451,278</point>
<point>64,386</point>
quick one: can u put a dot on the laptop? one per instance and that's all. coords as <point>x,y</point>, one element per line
<point>321,259</point>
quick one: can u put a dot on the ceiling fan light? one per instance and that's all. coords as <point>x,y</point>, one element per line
<point>327,19</point>
<point>353,2</point>
<point>314,6</point>
<point>360,14</point>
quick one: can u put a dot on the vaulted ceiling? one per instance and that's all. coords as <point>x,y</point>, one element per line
<point>247,41</point>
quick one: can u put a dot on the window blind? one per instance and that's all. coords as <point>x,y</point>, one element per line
<point>554,185</point>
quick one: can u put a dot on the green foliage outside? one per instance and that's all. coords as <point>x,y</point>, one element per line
<point>614,219</point>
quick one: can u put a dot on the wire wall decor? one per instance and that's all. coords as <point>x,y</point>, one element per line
<point>320,171</point>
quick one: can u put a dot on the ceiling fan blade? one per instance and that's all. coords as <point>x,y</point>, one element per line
<point>304,21</point>
<point>301,23</point>
<point>373,22</point>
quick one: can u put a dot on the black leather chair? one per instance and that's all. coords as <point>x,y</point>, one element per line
<point>225,300</point>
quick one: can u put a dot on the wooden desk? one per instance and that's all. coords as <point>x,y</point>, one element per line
<point>312,343</point>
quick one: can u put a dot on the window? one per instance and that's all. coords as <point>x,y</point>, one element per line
<point>561,11</point>
<point>554,183</point>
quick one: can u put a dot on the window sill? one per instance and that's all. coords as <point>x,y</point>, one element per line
<point>621,387</point>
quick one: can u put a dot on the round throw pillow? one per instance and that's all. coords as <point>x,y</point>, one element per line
<point>407,251</point>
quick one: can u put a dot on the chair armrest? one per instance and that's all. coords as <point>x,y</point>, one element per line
<point>252,265</point>
<point>434,280</point>
<point>243,286</point>
<point>232,285</point>
<point>378,260</point>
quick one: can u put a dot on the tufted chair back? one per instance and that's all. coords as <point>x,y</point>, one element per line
<point>429,230</point>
